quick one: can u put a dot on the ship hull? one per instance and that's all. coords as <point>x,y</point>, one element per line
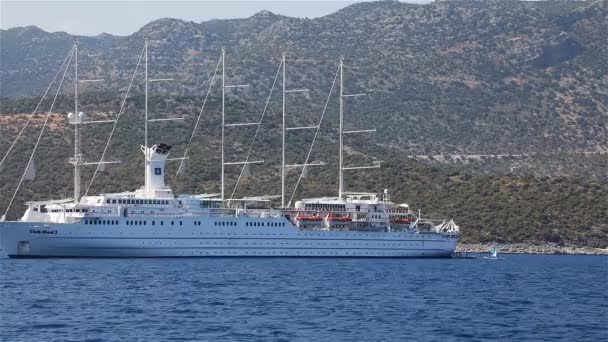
<point>208,238</point>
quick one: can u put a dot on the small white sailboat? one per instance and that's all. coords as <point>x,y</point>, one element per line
<point>493,254</point>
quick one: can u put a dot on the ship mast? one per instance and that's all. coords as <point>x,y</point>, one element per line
<point>224,124</point>
<point>223,115</point>
<point>78,118</point>
<point>148,150</point>
<point>146,154</point>
<point>145,149</point>
<point>77,160</point>
<point>283,138</point>
<point>284,166</point>
<point>342,132</point>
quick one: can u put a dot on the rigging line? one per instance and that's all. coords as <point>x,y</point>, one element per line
<point>46,120</point>
<point>314,138</point>
<point>200,114</point>
<point>257,129</point>
<point>120,111</point>
<point>37,106</point>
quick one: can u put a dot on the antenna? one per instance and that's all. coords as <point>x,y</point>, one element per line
<point>342,132</point>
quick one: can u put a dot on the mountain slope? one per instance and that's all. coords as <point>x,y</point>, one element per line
<point>465,76</point>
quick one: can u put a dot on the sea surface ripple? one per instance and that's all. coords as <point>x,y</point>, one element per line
<point>519,298</point>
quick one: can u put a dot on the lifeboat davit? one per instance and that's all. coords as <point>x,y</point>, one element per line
<point>338,221</point>
<point>402,221</point>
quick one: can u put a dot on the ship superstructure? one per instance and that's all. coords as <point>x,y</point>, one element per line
<point>154,222</point>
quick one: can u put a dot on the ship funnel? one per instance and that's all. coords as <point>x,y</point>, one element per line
<point>155,168</point>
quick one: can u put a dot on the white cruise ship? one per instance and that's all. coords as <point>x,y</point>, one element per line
<point>154,222</point>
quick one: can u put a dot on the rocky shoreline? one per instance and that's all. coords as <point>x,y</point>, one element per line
<point>527,248</point>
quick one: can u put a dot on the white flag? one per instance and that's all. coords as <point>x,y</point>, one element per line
<point>305,172</point>
<point>30,172</point>
<point>246,170</point>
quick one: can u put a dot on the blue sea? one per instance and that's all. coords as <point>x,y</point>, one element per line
<point>519,298</point>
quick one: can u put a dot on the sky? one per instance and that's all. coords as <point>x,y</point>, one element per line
<point>93,17</point>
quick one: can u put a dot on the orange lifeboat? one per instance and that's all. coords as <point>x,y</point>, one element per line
<point>333,218</point>
<point>308,218</point>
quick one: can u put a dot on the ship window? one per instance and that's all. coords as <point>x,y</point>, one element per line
<point>180,223</point>
<point>172,223</point>
<point>145,223</point>
<point>108,201</point>
<point>161,223</point>
<point>113,201</point>
<point>153,223</point>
